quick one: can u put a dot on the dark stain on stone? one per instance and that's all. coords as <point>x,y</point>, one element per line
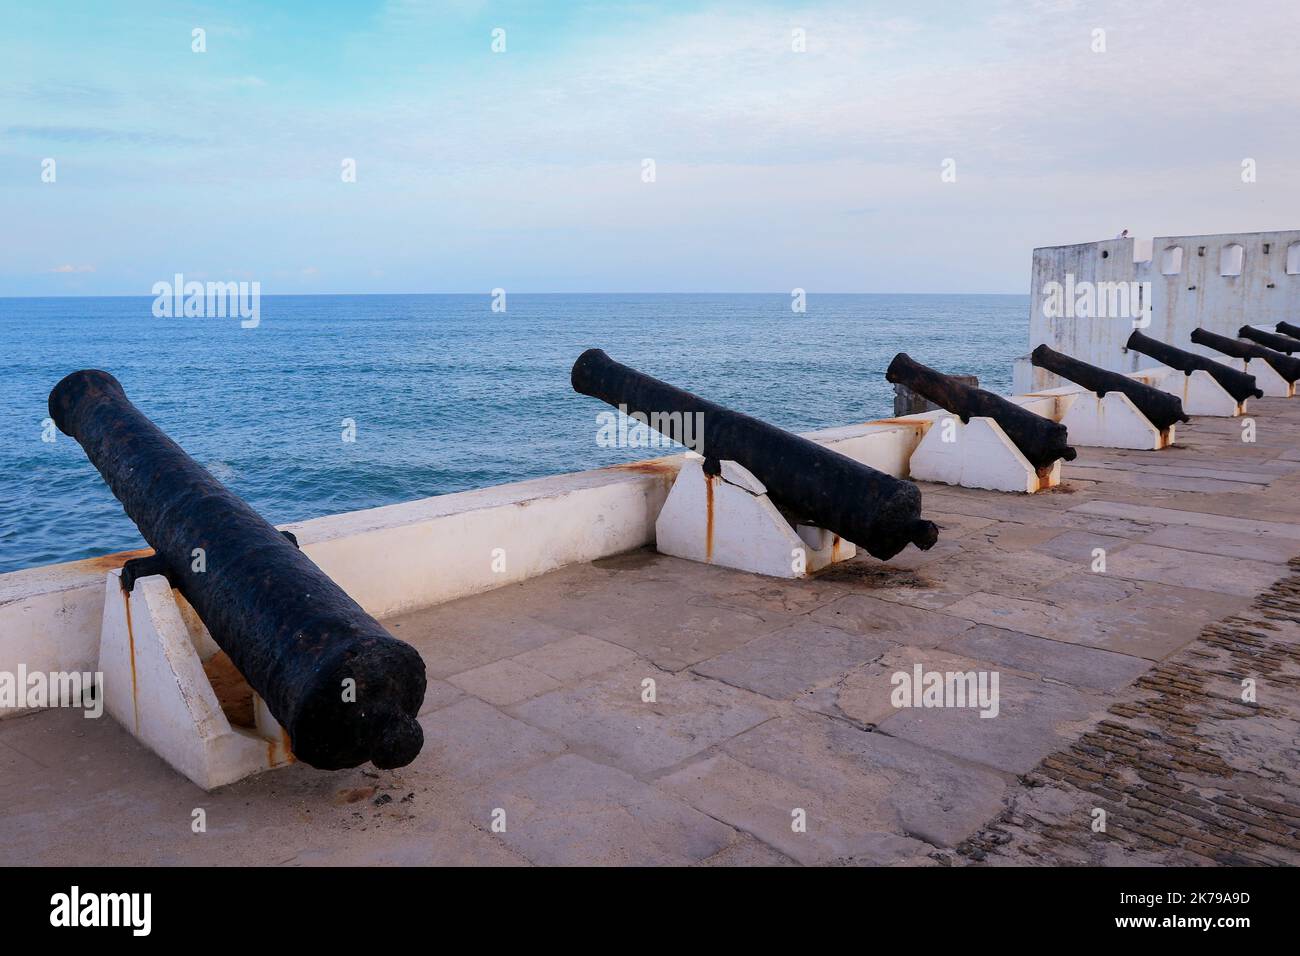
<point>872,575</point>
<point>627,561</point>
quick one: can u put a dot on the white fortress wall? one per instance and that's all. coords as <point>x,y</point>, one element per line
<point>1216,282</point>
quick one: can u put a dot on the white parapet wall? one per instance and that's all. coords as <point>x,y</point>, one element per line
<point>1086,299</point>
<point>1112,421</point>
<point>390,560</point>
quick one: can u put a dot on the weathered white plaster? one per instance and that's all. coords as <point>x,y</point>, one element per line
<point>715,521</point>
<point>1111,422</point>
<point>977,454</point>
<point>1199,392</point>
<point>1197,295</point>
<point>154,685</point>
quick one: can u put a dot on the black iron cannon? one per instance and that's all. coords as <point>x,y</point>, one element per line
<point>1286,328</point>
<point>1041,440</point>
<point>1240,385</point>
<point>1284,365</point>
<point>873,510</point>
<point>1278,343</point>
<point>1160,408</point>
<point>340,685</point>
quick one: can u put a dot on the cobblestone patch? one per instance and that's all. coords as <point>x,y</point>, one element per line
<point>1184,770</point>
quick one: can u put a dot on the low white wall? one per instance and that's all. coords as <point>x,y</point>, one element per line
<point>392,559</point>
<point>420,553</point>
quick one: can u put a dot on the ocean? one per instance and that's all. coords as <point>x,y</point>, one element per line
<point>445,394</point>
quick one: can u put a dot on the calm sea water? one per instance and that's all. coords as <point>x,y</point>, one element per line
<point>446,394</point>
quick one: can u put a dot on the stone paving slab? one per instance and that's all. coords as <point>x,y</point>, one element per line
<point>1151,480</point>
<point>576,658</point>
<point>867,795</point>
<point>768,805</point>
<point>571,811</point>
<point>470,637</point>
<point>1196,519</point>
<point>1089,588</point>
<point>504,682</point>
<point>1155,622</point>
<point>1078,547</point>
<point>1228,544</point>
<point>664,629</point>
<point>438,693</point>
<point>1204,572</point>
<point>609,716</point>
<point>870,616</point>
<point>1244,472</point>
<point>1022,720</point>
<point>1072,664</point>
<point>471,742</point>
<point>793,660</point>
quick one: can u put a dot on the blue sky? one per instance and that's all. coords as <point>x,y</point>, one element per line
<point>523,169</point>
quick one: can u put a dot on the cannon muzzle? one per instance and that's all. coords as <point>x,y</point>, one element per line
<point>343,688</point>
<point>1286,328</point>
<point>1041,440</point>
<point>1284,365</point>
<point>1160,408</point>
<point>876,511</point>
<point>1278,343</point>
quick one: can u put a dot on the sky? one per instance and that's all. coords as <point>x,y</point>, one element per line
<point>525,168</point>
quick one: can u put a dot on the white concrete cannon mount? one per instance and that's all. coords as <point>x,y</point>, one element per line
<point>728,519</point>
<point>1198,391</point>
<point>1112,421</point>
<point>977,455</point>
<point>151,654</point>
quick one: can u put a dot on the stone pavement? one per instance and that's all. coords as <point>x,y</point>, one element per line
<point>1182,770</point>
<point>647,710</point>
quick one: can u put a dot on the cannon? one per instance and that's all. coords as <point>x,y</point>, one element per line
<point>1278,343</point>
<point>340,685</point>
<point>1284,365</point>
<point>1041,440</point>
<point>1286,328</point>
<point>1240,385</point>
<point>875,511</point>
<point>1160,408</point>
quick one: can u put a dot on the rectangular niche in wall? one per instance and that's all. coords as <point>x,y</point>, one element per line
<point>1231,259</point>
<point>1171,263</point>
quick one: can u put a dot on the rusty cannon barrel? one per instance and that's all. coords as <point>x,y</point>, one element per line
<point>875,511</point>
<point>1161,408</point>
<point>1240,385</point>
<point>1278,343</point>
<point>1041,440</point>
<point>1286,328</point>
<point>344,689</point>
<point>1284,365</point>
